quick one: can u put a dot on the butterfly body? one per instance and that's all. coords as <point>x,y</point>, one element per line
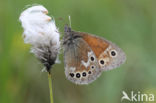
<point>86,56</point>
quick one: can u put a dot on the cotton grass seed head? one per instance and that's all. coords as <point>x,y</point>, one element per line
<point>41,32</point>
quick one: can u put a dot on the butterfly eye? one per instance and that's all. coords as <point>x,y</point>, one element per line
<point>92,58</point>
<point>102,62</point>
<point>71,74</point>
<point>113,53</point>
<point>78,75</point>
<point>92,66</point>
<point>89,72</point>
<point>84,74</point>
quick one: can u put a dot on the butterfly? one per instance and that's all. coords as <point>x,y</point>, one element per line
<point>86,56</point>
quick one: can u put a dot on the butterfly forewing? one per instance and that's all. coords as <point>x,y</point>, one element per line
<point>109,55</point>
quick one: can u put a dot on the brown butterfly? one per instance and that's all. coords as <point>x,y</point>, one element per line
<point>86,56</point>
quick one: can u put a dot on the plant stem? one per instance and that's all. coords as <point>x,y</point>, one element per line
<point>50,87</point>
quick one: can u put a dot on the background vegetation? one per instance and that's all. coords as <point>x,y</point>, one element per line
<point>131,24</point>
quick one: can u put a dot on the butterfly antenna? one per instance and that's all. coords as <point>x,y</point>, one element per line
<point>69,21</point>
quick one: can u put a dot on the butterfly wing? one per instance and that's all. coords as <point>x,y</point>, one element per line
<point>81,66</point>
<point>109,55</point>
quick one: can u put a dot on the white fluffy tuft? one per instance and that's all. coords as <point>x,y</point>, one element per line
<point>38,27</point>
<point>41,32</point>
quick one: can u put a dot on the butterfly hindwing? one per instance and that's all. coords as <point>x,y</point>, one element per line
<point>81,66</point>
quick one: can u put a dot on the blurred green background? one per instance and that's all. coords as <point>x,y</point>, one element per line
<point>131,24</point>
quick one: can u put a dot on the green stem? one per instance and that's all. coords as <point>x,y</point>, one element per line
<point>50,87</point>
